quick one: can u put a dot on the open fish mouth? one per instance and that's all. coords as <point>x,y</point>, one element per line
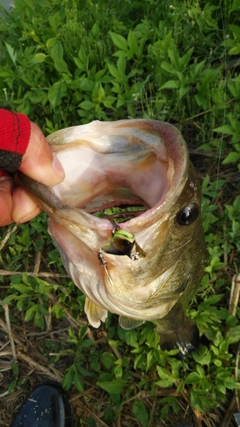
<point>122,170</point>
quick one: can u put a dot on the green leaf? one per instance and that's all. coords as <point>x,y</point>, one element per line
<point>200,400</point>
<point>199,67</point>
<point>217,362</point>
<point>85,84</point>
<point>119,41</point>
<point>51,42</point>
<point>165,383</point>
<point>118,371</point>
<point>150,359</point>
<point>107,359</point>
<point>134,44</point>
<point>61,66</point>
<point>235,50</point>
<point>38,58</point>
<point>232,157</point>
<point>186,58</point>
<point>108,101</point>
<point>121,64</point>
<point>233,335</point>
<point>58,311</point>
<point>78,381</point>
<point>21,288</point>
<point>87,105</point>
<point>235,6</point>
<point>202,356</point>
<point>112,387</point>
<point>214,299</point>
<point>140,412</point>
<point>168,67</point>
<point>221,387</point>
<point>39,320</point>
<point>15,368</point>
<point>193,378</point>
<point>227,380</point>
<point>43,310</point>
<point>12,54</point>
<point>68,378</point>
<point>79,63</point>
<point>9,299</point>
<point>83,55</point>
<point>131,337</point>
<point>55,20</point>
<point>30,313</point>
<point>56,93</point>
<point>200,371</point>
<point>153,338</point>
<point>115,72</point>
<point>171,84</point>
<point>183,91</point>
<point>225,129</point>
<point>56,53</point>
<point>163,373</point>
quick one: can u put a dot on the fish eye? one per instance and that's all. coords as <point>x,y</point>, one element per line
<point>126,243</point>
<point>187,215</point>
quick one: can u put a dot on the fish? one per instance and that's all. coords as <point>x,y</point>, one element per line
<point>127,222</point>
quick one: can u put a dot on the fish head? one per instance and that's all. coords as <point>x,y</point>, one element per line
<point>142,266</point>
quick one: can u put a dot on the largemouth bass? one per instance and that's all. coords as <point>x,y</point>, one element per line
<point>147,266</point>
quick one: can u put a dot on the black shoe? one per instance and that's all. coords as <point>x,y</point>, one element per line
<point>46,406</point>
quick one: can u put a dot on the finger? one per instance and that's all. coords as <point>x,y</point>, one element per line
<point>23,207</point>
<point>6,187</point>
<point>39,162</point>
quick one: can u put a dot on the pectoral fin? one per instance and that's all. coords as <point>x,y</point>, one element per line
<point>95,313</point>
<point>128,323</point>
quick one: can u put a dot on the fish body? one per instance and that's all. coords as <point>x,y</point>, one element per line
<point>148,267</point>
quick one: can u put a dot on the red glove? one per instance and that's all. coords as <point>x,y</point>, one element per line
<point>15,129</point>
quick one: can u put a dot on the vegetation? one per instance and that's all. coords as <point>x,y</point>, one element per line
<point>68,62</point>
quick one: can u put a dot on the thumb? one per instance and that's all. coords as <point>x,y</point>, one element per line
<point>6,188</point>
<point>39,162</point>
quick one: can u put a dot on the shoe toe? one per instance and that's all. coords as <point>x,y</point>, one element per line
<point>46,406</point>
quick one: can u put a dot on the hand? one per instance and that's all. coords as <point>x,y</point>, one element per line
<point>38,163</point>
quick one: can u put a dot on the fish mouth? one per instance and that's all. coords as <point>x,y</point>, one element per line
<point>125,169</point>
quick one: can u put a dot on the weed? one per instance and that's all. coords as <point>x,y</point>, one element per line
<point>69,62</point>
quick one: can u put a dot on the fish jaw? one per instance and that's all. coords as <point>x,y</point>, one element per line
<point>116,295</point>
<point>125,163</point>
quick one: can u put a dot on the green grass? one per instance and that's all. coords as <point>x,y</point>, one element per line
<point>69,62</point>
